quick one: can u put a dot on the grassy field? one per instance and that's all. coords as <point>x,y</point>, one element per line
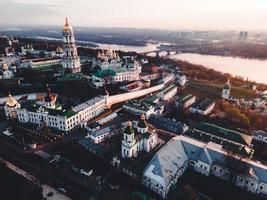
<point>237,92</point>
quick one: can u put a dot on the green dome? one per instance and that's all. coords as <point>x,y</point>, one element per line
<point>142,122</point>
<point>227,87</point>
<point>129,129</point>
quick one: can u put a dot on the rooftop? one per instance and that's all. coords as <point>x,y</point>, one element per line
<point>166,162</point>
<point>184,98</point>
<point>204,105</point>
<point>103,131</point>
<point>139,105</point>
<point>166,90</point>
<point>225,133</point>
<point>88,103</point>
<point>32,106</point>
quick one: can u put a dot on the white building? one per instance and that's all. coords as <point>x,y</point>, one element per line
<point>126,69</point>
<point>39,62</point>
<point>260,136</point>
<point>181,80</point>
<point>46,111</point>
<point>167,165</point>
<point>126,75</point>
<point>203,108</point>
<point>138,139</point>
<point>142,107</point>
<point>185,101</point>
<point>70,60</point>
<point>167,93</point>
<point>101,135</point>
<point>226,90</point>
<point>170,162</point>
<point>90,108</point>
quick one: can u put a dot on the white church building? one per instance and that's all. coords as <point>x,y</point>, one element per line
<point>226,90</point>
<point>137,139</point>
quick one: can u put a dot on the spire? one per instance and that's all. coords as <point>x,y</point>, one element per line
<point>48,94</point>
<point>11,102</point>
<point>66,21</point>
<point>227,85</point>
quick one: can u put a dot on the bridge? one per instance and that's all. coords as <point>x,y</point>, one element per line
<point>160,53</point>
<point>111,100</point>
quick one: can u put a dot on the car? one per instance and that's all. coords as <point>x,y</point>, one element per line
<point>62,190</point>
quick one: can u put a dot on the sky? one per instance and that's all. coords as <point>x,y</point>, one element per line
<point>163,14</point>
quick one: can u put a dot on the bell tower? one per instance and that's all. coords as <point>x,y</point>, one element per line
<point>70,60</point>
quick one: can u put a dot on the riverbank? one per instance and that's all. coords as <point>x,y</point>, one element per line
<point>251,69</point>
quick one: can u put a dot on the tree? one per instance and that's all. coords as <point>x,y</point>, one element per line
<point>47,130</point>
<point>235,165</point>
<point>185,193</point>
<point>107,75</point>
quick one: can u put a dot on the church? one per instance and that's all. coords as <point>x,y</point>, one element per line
<point>11,107</point>
<point>138,138</point>
<point>226,90</point>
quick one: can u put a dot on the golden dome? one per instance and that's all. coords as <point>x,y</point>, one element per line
<point>11,102</point>
<point>4,67</point>
<point>67,26</point>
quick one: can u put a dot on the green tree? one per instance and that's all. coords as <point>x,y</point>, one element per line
<point>107,75</point>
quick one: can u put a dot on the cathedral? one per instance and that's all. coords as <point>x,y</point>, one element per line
<point>137,139</point>
<point>70,60</point>
<point>11,107</point>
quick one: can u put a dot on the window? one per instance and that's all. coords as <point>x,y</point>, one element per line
<point>214,168</point>
<point>252,184</point>
<point>261,187</point>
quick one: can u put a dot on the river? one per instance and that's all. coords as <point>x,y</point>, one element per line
<point>138,49</point>
<point>253,69</point>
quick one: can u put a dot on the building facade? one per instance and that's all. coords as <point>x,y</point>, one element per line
<point>167,93</point>
<point>47,111</point>
<point>203,108</point>
<point>185,101</point>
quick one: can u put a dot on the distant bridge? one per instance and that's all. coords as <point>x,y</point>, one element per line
<point>160,53</point>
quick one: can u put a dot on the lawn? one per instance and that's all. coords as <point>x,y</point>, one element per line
<point>237,92</point>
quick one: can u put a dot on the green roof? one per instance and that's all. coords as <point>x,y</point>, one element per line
<point>72,77</point>
<point>221,132</point>
<point>168,89</point>
<point>129,130</point>
<point>32,106</point>
<point>185,97</point>
<point>142,123</point>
